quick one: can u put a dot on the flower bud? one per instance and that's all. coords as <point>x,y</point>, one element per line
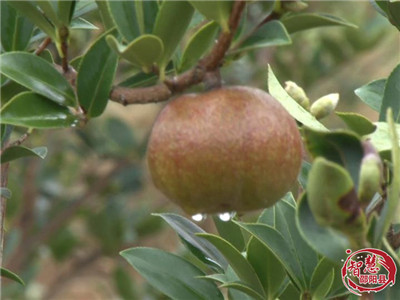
<point>324,106</point>
<point>298,94</point>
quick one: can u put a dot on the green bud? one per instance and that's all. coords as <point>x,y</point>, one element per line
<point>298,94</point>
<point>324,106</point>
<point>295,6</point>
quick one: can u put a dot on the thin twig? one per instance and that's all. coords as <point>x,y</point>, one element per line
<point>165,90</point>
<point>43,45</point>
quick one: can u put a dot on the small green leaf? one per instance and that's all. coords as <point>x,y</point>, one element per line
<point>199,43</point>
<point>95,79</point>
<point>218,11</point>
<point>171,274</point>
<point>372,93</point>
<point>187,230</point>
<point>16,152</point>
<point>237,261</point>
<point>37,74</point>
<point>65,11</point>
<point>16,30</point>
<point>29,10</point>
<point>105,14</point>
<point>379,138</point>
<point>124,16</point>
<point>391,96</point>
<point>5,193</point>
<point>324,240</point>
<point>357,122</point>
<point>171,29</point>
<point>10,275</point>
<point>28,109</point>
<point>270,34</point>
<point>295,109</point>
<point>390,211</point>
<point>303,21</point>
<point>142,52</point>
<point>80,23</point>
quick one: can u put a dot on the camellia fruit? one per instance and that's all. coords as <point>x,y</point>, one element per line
<point>229,149</point>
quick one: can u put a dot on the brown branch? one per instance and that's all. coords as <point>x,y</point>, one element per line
<point>165,90</point>
<point>43,46</point>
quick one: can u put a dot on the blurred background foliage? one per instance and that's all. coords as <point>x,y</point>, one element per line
<point>72,213</point>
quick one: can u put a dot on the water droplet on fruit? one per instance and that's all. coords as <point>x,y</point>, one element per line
<point>225,217</point>
<point>198,217</point>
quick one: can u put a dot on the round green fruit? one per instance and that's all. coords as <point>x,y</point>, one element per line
<point>230,149</point>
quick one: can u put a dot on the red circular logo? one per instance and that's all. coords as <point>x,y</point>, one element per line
<point>368,270</point>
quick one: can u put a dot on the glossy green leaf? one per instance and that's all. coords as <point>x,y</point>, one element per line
<point>171,29</point>
<point>146,12</point>
<point>391,208</point>
<point>28,109</point>
<point>295,109</point>
<point>391,96</point>
<point>372,93</point>
<point>95,79</point>
<point>270,34</point>
<point>10,275</point>
<point>16,152</point>
<point>65,11</point>
<point>37,74</point>
<point>231,232</point>
<point>199,43</point>
<point>9,90</point>
<point>171,274</point>
<point>218,11</point>
<point>105,14</point>
<point>29,10</point>
<point>5,193</point>
<point>268,268</point>
<point>237,261</point>
<point>324,240</point>
<point>124,16</point>
<point>142,52</point>
<point>357,122</point>
<point>303,21</point>
<point>380,137</point>
<point>16,30</point>
<point>187,230</point>
<point>340,146</point>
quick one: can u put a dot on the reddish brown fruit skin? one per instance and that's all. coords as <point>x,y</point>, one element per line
<point>230,149</point>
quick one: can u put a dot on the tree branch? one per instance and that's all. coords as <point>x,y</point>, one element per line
<point>165,90</point>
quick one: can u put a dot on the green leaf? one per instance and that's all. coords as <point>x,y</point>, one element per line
<point>303,176</point>
<point>393,11</point>
<point>142,52</point>
<point>244,288</point>
<point>171,29</point>
<point>16,152</point>
<point>5,193</point>
<point>171,274</point>
<point>237,261</point>
<point>28,109</point>
<point>295,109</point>
<point>268,268</point>
<point>95,79</point>
<point>218,11</point>
<point>124,16</point>
<point>84,7</point>
<point>323,288</point>
<point>357,122</point>
<point>380,137</point>
<point>65,11</point>
<point>105,14</point>
<point>303,21</point>
<point>16,30</point>
<point>199,43</point>
<point>390,211</point>
<point>80,23</point>
<point>391,96</point>
<point>372,93</point>
<point>187,230</point>
<point>146,12</point>
<point>270,34</point>
<point>29,10</point>
<point>274,241</point>
<point>231,232</point>
<point>290,293</point>
<point>47,56</point>
<point>10,275</point>
<point>49,12</point>
<point>37,74</point>
<point>342,147</point>
<point>324,240</point>
<point>9,90</point>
